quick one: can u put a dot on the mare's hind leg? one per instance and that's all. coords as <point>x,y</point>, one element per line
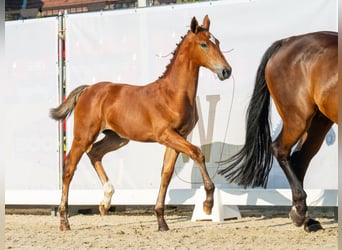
<point>109,143</point>
<point>316,133</point>
<point>281,148</point>
<point>301,158</point>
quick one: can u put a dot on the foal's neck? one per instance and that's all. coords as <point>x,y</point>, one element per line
<point>181,75</point>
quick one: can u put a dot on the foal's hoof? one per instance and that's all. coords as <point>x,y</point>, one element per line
<point>207,206</point>
<point>102,210</point>
<point>64,227</point>
<point>311,225</point>
<point>296,218</point>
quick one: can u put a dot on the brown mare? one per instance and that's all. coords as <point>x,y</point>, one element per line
<point>163,111</point>
<point>300,74</point>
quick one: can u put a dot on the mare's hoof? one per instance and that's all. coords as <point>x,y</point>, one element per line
<point>163,229</point>
<point>296,218</point>
<point>311,225</point>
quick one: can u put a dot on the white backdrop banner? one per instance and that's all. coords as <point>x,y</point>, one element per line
<point>31,88</point>
<point>134,46</point>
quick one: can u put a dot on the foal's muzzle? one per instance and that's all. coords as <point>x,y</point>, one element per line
<point>224,73</point>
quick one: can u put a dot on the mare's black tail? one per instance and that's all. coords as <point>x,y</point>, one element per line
<point>252,164</point>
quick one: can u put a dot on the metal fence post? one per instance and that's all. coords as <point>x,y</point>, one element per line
<point>61,92</point>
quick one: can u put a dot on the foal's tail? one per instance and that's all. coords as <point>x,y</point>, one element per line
<point>65,109</point>
<point>255,155</point>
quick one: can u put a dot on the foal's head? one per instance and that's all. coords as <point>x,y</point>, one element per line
<point>205,49</point>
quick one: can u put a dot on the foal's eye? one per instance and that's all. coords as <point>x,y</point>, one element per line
<point>204,45</point>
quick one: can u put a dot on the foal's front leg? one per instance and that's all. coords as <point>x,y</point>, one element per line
<point>170,158</point>
<point>173,140</point>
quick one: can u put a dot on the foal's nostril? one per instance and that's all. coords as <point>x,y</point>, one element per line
<point>227,72</point>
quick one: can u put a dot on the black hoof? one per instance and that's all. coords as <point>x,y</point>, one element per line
<point>163,229</point>
<point>311,225</point>
<point>296,218</point>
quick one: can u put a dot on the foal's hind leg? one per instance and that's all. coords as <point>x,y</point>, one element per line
<point>300,159</point>
<point>110,142</point>
<point>69,168</point>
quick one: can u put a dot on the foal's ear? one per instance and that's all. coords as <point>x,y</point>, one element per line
<point>194,25</point>
<point>206,22</point>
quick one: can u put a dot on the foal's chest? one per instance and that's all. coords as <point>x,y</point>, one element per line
<point>187,121</point>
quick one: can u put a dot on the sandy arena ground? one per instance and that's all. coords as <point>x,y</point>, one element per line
<point>261,228</point>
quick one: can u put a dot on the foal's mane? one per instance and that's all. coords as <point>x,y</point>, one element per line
<point>174,53</point>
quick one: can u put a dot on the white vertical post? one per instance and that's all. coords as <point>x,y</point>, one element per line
<point>142,3</point>
<point>61,92</point>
